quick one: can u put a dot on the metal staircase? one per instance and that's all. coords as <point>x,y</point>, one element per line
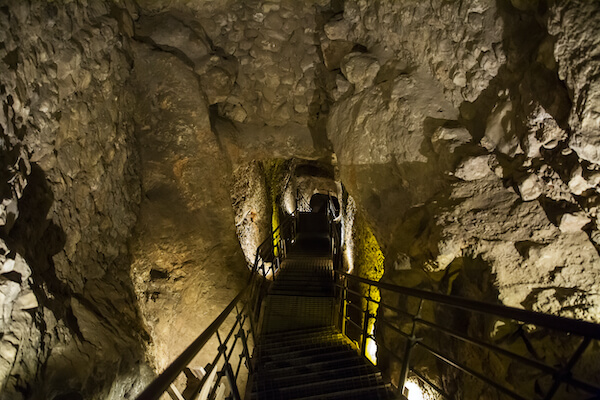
<point>300,354</point>
<point>318,363</point>
<point>300,330</point>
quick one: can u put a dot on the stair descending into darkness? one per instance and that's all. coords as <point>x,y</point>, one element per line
<point>300,354</point>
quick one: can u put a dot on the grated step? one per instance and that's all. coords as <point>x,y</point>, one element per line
<point>285,355</point>
<point>307,360</point>
<point>321,387</point>
<point>300,333</point>
<point>267,348</point>
<point>285,381</point>
<point>379,392</point>
<point>348,361</point>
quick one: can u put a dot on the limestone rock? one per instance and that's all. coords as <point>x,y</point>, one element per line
<point>575,24</point>
<point>573,222</point>
<point>69,169</point>
<point>531,187</point>
<point>437,35</point>
<point>388,121</point>
<point>251,205</point>
<point>217,78</point>
<point>185,178</point>
<point>544,131</point>
<point>577,183</point>
<point>334,52</point>
<point>246,142</point>
<point>474,168</point>
<point>26,301</point>
<point>169,32</point>
<point>9,212</point>
<point>489,211</point>
<point>500,132</point>
<point>342,87</point>
<point>360,70</point>
<point>450,138</point>
<point>278,61</point>
<point>564,263</point>
<point>337,29</point>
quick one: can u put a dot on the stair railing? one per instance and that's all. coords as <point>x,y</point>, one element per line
<point>235,347</point>
<point>270,254</point>
<point>425,334</point>
<point>335,234</point>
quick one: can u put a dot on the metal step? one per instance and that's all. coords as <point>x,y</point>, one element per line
<point>304,352</point>
<point>379,392</point>
<point>292,345</point>
<point>307,360</point>
<point>321,387</point>
<point>348,360</point>
<point>285,381</point>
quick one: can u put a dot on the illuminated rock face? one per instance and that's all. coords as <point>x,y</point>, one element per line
<point>127,131</point>
<point>516,181</point>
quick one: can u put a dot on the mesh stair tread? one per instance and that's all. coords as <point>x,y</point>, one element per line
<point>322,387</point>
<point>285,381</point>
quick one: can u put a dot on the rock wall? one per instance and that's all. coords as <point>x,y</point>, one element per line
<point>472,151</point>
<point>275,44</point>
<point>187,264</point>
<point>487,167</point>
<point>70,196</point>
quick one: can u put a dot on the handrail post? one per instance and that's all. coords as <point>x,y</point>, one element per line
<point>367,317</point>
<point>244,338</point>
<point>228,370</point>
<point>343,303</point>
<point>235,393</point>
<point>567,368</point>
<point>410,342</point>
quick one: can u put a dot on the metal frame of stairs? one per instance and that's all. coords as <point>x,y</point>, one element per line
<point>325,360</point>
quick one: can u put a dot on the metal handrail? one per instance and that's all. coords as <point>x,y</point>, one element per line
<point>160,385</point>
<point>280,246</point>
<point>586,330</point>
<point>578,327</point>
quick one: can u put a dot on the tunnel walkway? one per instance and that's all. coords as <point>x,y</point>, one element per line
<point>300,354</point>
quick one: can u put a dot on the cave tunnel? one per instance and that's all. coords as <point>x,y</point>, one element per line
<point>400,196</point>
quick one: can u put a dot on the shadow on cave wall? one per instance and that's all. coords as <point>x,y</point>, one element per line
<point>523,80</point>
<point>37,238</point>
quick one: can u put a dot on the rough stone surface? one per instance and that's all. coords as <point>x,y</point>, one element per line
<point>360,70</point>
<point>278,60</point>
<point>69,200</point>
<point>573,222</point>
<point>576,50</point>
<point>435,35</point>
<point>247,142</point>
<point>530,188</point>
<point>473,168</point>
<point>185,252</point>
<point>251,204</point>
